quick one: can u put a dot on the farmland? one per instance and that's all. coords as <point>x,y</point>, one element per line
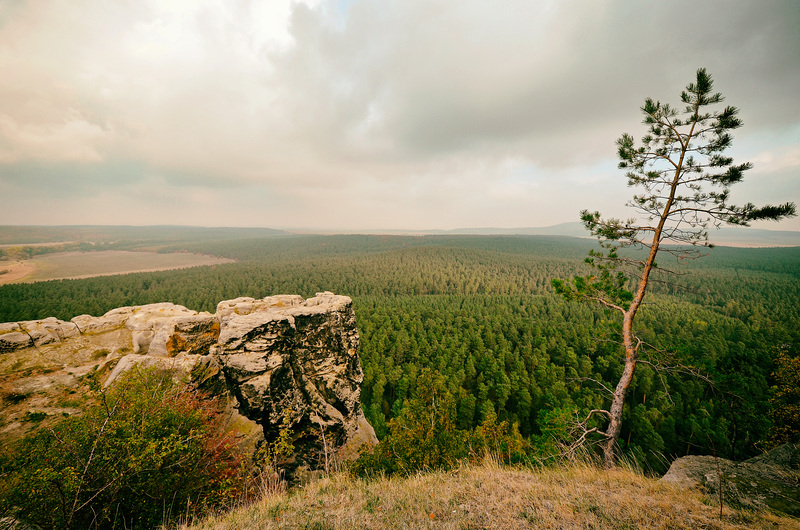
<point>87,264</point>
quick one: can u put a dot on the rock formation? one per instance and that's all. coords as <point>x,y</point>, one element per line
<point>286,354</point>
<point>771,479</point>
<point>268,356</point>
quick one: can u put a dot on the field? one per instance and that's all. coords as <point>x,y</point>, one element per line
<point>88,264</point>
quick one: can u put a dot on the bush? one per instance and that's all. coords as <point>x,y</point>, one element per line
<point>425,437</point>
<point>151,451</point>
<point>785,401</point>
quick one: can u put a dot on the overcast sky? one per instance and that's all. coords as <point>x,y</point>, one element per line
<point>370,114</point>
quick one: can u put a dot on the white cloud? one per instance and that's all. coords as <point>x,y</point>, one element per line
<point>72,138</point>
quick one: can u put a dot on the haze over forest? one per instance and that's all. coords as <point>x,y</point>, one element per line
<point>356,115</point>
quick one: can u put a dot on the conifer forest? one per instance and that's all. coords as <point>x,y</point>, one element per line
<point>479,312</point>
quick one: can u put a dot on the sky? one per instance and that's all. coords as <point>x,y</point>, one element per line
<point>370,114</point>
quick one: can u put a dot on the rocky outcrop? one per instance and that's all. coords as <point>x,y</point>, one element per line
<point>18,335</point>
<point>769,480</point>
<point>283,354</point>
<point>267,356</point>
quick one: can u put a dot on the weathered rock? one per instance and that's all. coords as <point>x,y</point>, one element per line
<point>263,356</point>
<point>193,334</point>
<point>182,364</point>
<point>18,335</point>
<point>112,320</point>
<point>285,354</point>
<point>153,328</point>
<point>245,305</point>
<point>771,479</point>
<point>14,340</point>
<point>9,327</point>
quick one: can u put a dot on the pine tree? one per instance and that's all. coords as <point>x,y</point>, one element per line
<point>685,185</point>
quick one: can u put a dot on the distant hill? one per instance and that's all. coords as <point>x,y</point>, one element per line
<point>30,235</point>
<point>562,229</point>
<point>10,235</point>
<point>734,236</point>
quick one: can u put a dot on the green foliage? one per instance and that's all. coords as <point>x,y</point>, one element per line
<point>34,416</point>
<point>610,285</point>
<point>148,453</point>
<point>556,433</point>
<point>425,436</point>
<point>502,442</point>
<point>271,455</point>
<point>785,400</point>
<point>480,311</point>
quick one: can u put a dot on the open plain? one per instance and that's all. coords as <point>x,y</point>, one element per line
<point>70,265</point>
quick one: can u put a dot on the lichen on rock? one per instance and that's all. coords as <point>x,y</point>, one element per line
<point>771,479</point>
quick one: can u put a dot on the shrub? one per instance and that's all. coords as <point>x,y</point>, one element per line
<point>34,417</point>
<point>14,398</point>
<point>785,401</point>
<point>149,452</point>
<point>425,437</point>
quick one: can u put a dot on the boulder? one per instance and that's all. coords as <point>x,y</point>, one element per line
<point>14,339</point>
<point>769,480</point>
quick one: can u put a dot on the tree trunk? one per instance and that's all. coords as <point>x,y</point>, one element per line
<point>631,349</point>
<point>618,401</point>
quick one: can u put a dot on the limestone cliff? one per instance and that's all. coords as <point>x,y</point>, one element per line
<point>265,356</point>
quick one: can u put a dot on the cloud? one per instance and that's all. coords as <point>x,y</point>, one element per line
<point>431,113</point>
<point>553,81</point>
<point>73,138</point>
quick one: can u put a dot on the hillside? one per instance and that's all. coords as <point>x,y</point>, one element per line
<point>486,496</point>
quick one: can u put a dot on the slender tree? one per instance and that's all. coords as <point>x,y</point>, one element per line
<point>683,181</point>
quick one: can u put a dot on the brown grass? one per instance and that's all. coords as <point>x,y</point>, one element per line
<point>571,496</point>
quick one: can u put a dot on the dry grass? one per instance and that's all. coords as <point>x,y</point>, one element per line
<point>571,496</point>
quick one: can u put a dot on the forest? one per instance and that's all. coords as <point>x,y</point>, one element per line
<point>480,312</point>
